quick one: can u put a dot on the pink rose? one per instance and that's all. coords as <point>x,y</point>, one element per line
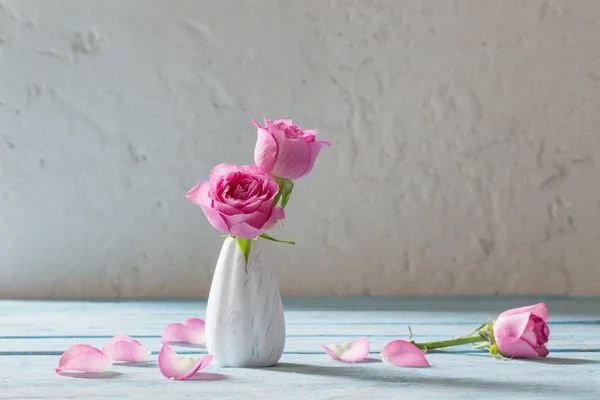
<point>523,332</point>
<point>286,151</point>
<point>238,200</point>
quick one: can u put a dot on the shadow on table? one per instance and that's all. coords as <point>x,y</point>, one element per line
<point>207,376</point>
<point>369,360</point>
<point>89,375</point>
<point>199,376</point>
<point>395,376</point>
<point>550,360</point>
<point>145,364</point>
<point>560,361</point>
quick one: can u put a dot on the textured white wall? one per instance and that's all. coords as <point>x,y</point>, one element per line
<point>465,160</point>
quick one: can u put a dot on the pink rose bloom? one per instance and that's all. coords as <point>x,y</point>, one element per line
<point>285,150</point>
<point>523,332</point>
<point>238,200</point>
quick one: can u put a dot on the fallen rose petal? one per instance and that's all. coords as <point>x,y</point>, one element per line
<point>190,331</point>
<point>172,365</point>
<point>84,358</point>
<point>401,353</point>
<point>125,348</point>
<point>350,352</point>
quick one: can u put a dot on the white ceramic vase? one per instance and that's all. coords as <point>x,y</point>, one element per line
<point>245,326</point>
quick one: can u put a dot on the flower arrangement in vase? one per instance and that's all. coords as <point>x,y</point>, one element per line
<point>245,325</point>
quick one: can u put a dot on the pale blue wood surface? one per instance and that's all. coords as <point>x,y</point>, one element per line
<point>33,334</point>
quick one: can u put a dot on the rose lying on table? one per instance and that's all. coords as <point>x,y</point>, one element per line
<point>517,333</point>
<point>520,333</point>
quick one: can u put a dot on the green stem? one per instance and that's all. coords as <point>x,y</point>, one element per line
<point>450,342</point>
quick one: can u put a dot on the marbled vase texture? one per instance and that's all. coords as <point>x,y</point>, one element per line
<point>245,325</point>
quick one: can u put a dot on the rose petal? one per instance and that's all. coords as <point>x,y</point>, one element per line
<point>515,347</point>
<point>315,149</point>
<point>172,365</point>
<point>221,170</point>
<point>513,325</point>
<point>84,358</point>
<point>195,323</point>
<point>190,331</point>
<point>278,214</point>
<point>244,231</point>
<point>287,122</point>
<point>538,309</point>
<point>350,352</point>
<point>542,331</point>
<point>199,195</point>
<point>401,353</point>
<point>542,351</point>
<point>256,219</point>
<point>125,348</point>
<point>265,152</point>
<point>252,170</point>
<point>293,157</point>
<point>252,225</point>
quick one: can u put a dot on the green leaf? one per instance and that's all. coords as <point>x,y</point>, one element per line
<point>494,350</point>
<point>286,193</point>
<point>285,190</point>
<point>277,197</point>
<point>490,333</point>
<point>479,329</point>
<point>245,246</point>
<point>265,236</point>
<point>280,181</point>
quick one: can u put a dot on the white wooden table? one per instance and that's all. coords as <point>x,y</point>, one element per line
<point>33,334</point>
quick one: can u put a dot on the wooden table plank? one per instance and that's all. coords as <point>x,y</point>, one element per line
<point>305,372</point>
<point>564,338</point>
<point>433,331</point>
<point>63,318</point>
